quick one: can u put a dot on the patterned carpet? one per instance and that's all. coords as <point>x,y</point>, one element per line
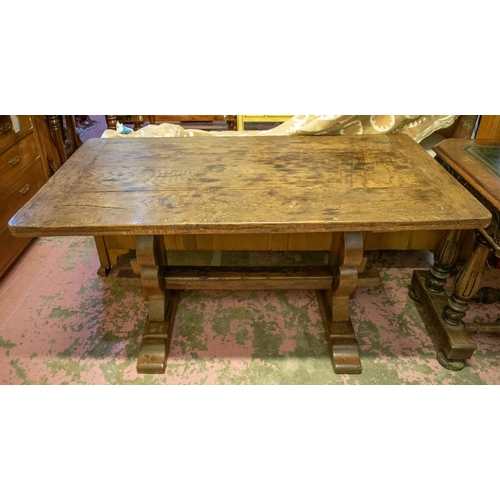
<point>62,324</point>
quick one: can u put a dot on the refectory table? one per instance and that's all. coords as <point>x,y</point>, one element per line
<point>343,185</point>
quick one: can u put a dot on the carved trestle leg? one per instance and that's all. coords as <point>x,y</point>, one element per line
<point>346,254</point>
<point>162,305</point>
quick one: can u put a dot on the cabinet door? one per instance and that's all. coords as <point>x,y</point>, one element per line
<point>489,128</point>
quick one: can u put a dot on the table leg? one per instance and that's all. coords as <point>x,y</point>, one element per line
<point>102,252</point>
<point>445,257</point>
<point>346,254</point>
<point>466,284</point>
<point>162,305</point>
<point>445,313</point>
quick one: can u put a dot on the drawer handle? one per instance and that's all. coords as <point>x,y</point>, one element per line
<point>14,160</point>
<point>5,128</point>
<point>24,190</point>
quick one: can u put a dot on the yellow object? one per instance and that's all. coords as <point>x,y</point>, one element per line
<point>241,119</point>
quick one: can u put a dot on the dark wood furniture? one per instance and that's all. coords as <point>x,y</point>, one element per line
<point>25,159</point>
<point>341,186</point>
<point>476,165</point>
<point>138,120</point>
<point>64,136</point>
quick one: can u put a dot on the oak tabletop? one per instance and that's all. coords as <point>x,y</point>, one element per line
<point>256,184</point>
<point>477,161</point>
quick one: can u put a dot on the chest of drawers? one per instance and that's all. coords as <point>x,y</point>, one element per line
<point>23,171</point>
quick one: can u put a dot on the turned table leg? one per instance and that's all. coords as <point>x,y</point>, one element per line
<point>446,313</point>
<point>162,304</point>
<point>466,284</point>
<point>346,254</point>
<point>445,257</point>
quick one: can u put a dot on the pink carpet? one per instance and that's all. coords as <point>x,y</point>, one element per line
<point>62,324</point>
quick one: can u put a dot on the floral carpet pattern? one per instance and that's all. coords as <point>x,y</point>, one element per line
<point>63,324</point>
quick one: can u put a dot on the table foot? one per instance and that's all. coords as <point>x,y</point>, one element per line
<point>457,344</point>
<point>413,295</point>
<point>103,271</point>
<point>156,342</point>
<point>341,339</point>
<point>450,364</point>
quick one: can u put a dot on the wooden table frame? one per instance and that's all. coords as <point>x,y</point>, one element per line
<point>334,284</point>
<point>343,185</point>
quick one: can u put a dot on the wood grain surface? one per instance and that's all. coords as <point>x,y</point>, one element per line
<point>230,185</point>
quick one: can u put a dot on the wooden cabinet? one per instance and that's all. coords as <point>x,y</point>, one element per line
<point>25,154</point>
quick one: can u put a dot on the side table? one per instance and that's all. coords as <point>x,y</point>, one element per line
<point>476,165</point>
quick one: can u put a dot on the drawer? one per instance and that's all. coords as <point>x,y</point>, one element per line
<point>16,158</point>
<point>21,189</point>
<point>8,137</point>
<point>10,247</point>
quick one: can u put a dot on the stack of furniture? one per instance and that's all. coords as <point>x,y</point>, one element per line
<point>138,120</point>
<point>233,122</point>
